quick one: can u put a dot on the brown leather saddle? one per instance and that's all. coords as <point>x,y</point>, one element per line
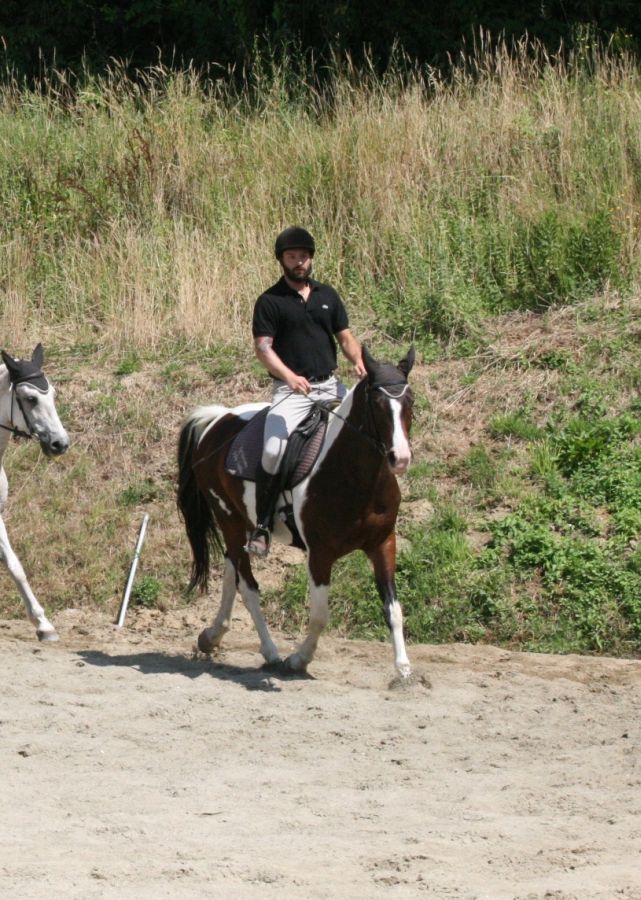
<point>303,446</point>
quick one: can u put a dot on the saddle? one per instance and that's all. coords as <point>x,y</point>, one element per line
<point>245,452</point>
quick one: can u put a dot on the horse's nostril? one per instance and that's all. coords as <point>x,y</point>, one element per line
<point>391,458</point>
<point>58,447</point>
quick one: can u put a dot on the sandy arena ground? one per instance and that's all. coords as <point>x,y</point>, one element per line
<point>133,768</point>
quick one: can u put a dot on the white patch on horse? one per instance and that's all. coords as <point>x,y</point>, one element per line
<point>318,619</point>
<point>334,428</point>
<point>400,444</point>
<point>401,661</point>
<point>212,414</point>
<point>220,502</point>
<point>249,499</point>
<point>280,531</point>
<point>251,599</point>
<point>248,410</point>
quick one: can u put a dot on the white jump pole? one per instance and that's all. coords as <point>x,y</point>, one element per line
<point>132,572</point>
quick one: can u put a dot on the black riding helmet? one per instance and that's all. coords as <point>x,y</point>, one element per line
<point>294,239</point>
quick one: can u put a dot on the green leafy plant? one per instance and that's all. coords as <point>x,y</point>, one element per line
<point>146,592</point>
<point>128,365</point>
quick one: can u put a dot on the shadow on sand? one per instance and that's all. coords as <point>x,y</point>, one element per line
<point>265,678</point>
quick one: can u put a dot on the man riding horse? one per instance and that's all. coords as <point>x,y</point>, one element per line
<point>296,325</point>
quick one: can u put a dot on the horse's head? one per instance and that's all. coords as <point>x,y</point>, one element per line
<point>390,402</point>
<point>33,409</point>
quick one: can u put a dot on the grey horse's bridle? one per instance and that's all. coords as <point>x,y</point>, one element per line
<point>27,379</point>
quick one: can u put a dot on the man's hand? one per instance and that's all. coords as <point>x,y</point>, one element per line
<point>298,384</point>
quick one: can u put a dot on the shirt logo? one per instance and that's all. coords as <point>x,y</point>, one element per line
<point>325,306</point>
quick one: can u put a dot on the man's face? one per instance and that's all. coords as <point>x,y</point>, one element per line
<point>297,264</point>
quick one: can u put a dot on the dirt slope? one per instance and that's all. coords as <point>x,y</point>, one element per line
<point>132,768</point>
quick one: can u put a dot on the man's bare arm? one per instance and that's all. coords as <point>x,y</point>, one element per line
<point>352,350</point>
<point>268,357</point>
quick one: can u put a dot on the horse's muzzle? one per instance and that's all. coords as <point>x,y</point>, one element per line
<point>56,447</point>
<point>398,465</point>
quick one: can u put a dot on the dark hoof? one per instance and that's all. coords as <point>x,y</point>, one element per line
<point>275,667</point>
<point>48,636</point>
<point>204,644</point>
<point>294,666</point>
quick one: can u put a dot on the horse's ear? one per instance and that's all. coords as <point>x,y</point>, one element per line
<point>38,356</point>
<point>9,361</point>
<point>407,362</point>
<point>368,360</point>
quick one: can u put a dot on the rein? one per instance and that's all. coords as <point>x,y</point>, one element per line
<point>375,442</point>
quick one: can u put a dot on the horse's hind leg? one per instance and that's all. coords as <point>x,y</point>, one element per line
<point>248,587</point>
<point>238,576</point>
<point>210,638</point>
<point>36,614</point>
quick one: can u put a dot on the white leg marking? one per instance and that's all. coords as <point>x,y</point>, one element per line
<point>251,599</point>
<point>318,618</point>
<point>212,637</point>
<point>249,499</point>
<point>36,614</point>
<point>401,661</point>
<point>220,502</point>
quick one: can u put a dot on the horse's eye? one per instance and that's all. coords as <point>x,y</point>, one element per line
<point>32,401</point>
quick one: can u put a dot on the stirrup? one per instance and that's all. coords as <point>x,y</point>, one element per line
<point>258,543</point>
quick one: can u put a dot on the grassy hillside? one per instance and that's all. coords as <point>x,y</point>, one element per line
<point>493,220</point>
<point>142,214</point>
<point>521,514</point>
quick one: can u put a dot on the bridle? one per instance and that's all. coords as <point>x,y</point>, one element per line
<point>372,425</point>
<point>375,442</point>
<point>371,433</point>
<point>26,379</point>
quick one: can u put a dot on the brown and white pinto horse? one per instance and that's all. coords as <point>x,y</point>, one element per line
<point>349,501</point>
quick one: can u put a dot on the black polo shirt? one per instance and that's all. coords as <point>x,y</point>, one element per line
<point>303,331</point>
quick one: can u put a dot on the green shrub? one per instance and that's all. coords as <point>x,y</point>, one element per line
<point>128,365</point>
<point>145,592</point>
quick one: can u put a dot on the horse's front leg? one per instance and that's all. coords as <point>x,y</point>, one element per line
<point>383,559</point>
<point>44,628</point>
<point>319,578</point>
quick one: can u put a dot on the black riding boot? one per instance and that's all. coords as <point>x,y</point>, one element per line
<point>267,491</point>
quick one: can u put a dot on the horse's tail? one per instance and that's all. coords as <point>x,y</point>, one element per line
<point>200,523</point>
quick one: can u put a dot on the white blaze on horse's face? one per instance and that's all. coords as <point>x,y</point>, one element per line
<point>38,409</point>
<point>400,455</point>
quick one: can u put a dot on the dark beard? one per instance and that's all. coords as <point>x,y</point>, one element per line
<point>298,279</point>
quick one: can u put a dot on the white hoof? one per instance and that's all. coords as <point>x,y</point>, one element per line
<point>49,636</point>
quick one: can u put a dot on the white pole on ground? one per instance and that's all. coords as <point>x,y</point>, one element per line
<point>132,572</point>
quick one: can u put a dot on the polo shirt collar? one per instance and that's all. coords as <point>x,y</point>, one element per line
<point>314,285</point>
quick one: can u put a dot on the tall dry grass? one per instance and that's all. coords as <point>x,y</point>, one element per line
<point>142,213</point>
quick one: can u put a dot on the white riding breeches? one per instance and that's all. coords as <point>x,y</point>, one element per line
<point>287,411</point>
